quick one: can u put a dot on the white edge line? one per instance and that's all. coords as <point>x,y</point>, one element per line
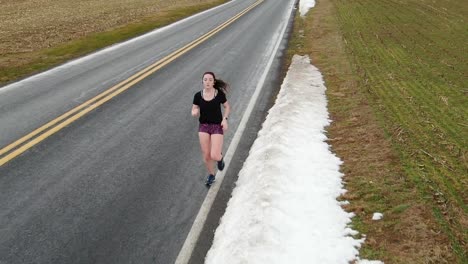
<point>197,226</point>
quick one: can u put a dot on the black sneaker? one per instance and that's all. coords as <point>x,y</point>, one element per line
<point>221,164</point>
<point>210,179</point>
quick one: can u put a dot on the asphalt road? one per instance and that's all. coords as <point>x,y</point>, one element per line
<point>123,183</point>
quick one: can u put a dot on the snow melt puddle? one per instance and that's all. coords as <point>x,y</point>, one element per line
<point>284,207</point>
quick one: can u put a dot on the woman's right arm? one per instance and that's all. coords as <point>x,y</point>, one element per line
<point>195,110</point>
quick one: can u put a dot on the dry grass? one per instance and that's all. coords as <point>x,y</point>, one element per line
<point>37,24</point>
<point>32,30</point>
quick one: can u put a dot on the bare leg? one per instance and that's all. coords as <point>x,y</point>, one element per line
<point>216,147</point>
<point>205,144</point>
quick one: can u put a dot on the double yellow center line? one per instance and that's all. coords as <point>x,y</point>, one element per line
<point>21,145</point>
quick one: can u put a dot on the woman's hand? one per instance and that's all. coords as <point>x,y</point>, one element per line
<point>195,110</point>
<point>224,124</point>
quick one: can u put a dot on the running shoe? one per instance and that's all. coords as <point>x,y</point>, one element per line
<point>221,164</point>
<point>210,179</point>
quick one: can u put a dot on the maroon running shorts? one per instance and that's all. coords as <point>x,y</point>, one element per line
<point>211,129</point>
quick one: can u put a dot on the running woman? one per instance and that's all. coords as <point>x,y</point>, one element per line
<point>207,107</point>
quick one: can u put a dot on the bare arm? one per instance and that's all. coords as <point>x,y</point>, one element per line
<point>195,110</point>
<point>227,111</point>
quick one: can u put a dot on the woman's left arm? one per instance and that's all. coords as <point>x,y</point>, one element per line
<point>227,111</point>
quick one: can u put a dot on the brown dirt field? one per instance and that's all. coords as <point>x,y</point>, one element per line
<point>31,25</point>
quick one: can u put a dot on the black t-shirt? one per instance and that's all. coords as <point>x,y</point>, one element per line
<point>210,111</point>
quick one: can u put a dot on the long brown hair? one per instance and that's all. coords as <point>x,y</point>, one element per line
<point>219,85</point>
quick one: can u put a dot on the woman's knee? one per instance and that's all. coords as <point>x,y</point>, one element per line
<point>207,158</point>
<point>215,156</point>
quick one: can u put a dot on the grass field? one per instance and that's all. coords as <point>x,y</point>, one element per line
<point>37,35</point>
<point>396,73</point>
